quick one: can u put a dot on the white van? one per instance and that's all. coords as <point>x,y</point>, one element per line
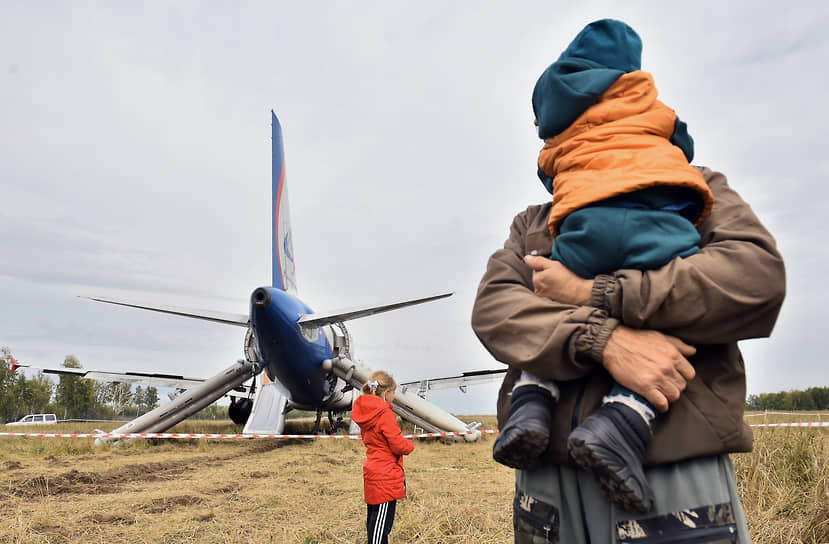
<point>36,419</point>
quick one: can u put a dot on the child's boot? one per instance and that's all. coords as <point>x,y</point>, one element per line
<point>526,435</point>
<point>611,443</point>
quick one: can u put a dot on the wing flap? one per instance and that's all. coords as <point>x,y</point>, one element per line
<point>466,378</point>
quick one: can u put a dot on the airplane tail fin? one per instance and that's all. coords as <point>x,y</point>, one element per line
<point>15,364</point>
<point>282,267</point>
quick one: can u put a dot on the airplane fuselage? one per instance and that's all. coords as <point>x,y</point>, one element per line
<point>291,354</point>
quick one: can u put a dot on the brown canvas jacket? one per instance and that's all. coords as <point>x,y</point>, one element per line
<point>730,290</point>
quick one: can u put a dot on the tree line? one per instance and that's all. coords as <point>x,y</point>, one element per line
<point>814,398</point>
<point>72,397</point>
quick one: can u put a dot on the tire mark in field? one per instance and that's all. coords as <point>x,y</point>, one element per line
<point>95,483</point>
<point>165,504</point>
<point>112,481</point>
<point>264,445</point>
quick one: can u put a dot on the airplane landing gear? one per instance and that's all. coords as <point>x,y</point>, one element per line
<point>316,428</point>
<point>333,426</point>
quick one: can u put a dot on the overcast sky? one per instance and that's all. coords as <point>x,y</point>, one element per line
<point>135,162</point>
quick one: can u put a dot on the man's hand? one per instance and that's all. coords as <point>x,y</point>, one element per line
<point>650,363</point>
<point>553,280</point>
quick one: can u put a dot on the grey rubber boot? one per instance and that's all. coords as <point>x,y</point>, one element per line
<point>526,435</point>
<point>611,444</point>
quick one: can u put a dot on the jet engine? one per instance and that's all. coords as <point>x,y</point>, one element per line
<point>239,410</point>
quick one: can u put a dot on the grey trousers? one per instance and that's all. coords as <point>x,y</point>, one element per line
<point>696,501</point>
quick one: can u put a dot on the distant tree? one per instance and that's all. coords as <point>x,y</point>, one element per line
<point>814,398</point>
<point>148,400</point>
<point>120,397</point>
<point>75,395</point>
<point>212,411</point>
<point>32,395</point>
<point>9,404</point>
<point>137,397</point>
<point>773,401</point>
<point>101,390</point>
<point>820,396</point>
<point>18,395</point>
<point>801,400</point>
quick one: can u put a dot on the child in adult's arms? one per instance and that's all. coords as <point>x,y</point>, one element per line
<point>616,160</point>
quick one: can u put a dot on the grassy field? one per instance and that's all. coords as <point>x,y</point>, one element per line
<point>259,491</point>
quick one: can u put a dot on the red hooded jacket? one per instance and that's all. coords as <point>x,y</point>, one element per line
<point>383,476</point>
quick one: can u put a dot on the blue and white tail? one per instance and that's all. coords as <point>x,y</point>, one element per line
<point>282,267</point>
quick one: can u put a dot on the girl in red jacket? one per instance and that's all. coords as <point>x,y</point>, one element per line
<point>384,481</point>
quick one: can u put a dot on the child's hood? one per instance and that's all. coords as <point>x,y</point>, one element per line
<point>594,60</point>
<point>367,410</point>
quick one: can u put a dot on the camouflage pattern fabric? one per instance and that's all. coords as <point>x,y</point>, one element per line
<point>534,521</point>
<point>704,525</point>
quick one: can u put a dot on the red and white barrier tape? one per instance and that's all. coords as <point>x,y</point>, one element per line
<point>224,436</point>
<point>813,424</point>
<point>798,414</point>
<point>169,435</point>
<point>807,424</point>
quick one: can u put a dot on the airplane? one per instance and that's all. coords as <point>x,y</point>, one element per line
<point>298,359</point>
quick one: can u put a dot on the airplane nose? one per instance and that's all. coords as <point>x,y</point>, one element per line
<point>261,298</point>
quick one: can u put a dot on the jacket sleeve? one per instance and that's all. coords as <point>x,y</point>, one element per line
<point>529,332</point>
<point>731,289</point>
<point>682,139</point>
<point>391,431</point>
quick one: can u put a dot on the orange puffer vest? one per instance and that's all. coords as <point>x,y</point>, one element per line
<point>619,145</point>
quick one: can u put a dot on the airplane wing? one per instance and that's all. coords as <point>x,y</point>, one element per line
<point>465,379</point>
<point>318,319</point>
<point>155,379</point>
<point>208,315</point>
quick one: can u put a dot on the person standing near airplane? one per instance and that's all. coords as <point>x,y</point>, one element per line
<point>383,476</point>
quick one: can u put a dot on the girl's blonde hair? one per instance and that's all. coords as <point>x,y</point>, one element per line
<point>379,382</point>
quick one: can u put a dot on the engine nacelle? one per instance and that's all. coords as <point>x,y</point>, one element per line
<point>239,410</point>
<point>251,351</point>
<point>341,341</point>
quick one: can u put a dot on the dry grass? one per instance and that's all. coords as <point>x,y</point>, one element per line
<point>61,491</point>
<point>784,483</point>
<point>57,491</point>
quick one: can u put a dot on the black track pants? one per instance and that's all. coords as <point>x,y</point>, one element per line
<point>379,520</point>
